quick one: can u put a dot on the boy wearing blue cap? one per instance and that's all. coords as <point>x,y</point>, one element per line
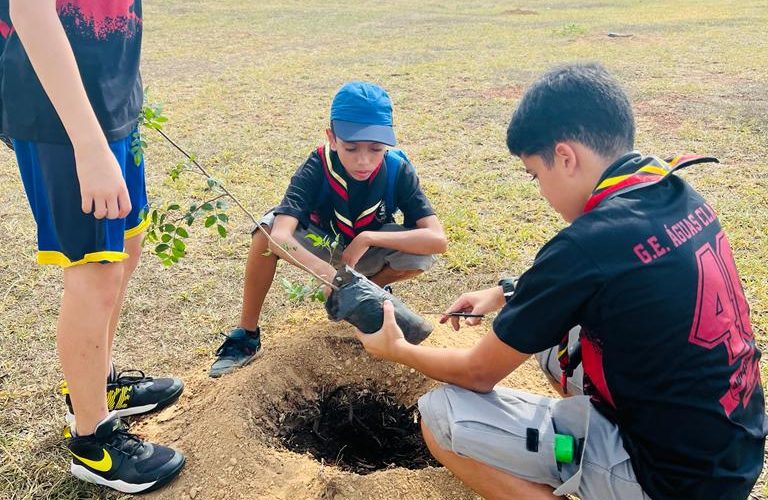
<point>347,190</point>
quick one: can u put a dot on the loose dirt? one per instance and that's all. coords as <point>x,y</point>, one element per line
<point>234,430</point>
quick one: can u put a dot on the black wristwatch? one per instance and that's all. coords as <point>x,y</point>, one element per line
<point>508,287</point>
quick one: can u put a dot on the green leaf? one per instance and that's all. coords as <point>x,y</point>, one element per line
<point>182,232</point>
<point>175,171</point>
<point>223,217</point>
<point>175,252</point>
<point>166,238</point>
<point>210,220</point>
<point>207,207</point>
<point>168,228</point>
<point>162,247</point>
<point>179,245</point>
<point>154,216</point>
<point>222,231</point>
<point>286,283</point>
<point>174,207</point>
<point>315,239</point>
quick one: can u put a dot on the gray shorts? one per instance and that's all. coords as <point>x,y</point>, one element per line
<point>371,262</point>
<point>494,428</point>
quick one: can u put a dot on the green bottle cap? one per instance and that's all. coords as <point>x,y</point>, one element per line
<point>564,448</point>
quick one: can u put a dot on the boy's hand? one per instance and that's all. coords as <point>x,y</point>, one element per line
<point>102,186</point>
<point>479,302</point>
<point>356,249</point>
<point>386,342</point>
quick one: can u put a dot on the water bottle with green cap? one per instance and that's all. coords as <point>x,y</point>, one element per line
<point>565,446</point>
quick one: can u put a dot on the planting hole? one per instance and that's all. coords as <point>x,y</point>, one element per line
<point>357,429</point>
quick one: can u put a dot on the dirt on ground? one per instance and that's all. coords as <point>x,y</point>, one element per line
<point>229,427</point>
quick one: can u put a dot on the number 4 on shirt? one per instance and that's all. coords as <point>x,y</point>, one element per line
<point>722,316</point>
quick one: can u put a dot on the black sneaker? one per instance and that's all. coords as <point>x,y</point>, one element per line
<point>238,350</point>
<point>115,458</point>
<point>130,392</point>
<point>388,289</point>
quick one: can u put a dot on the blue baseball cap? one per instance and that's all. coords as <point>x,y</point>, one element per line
<point>362,111</point>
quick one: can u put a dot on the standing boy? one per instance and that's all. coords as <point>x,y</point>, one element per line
<point>347,191</point>
<point>71,94</point>
<point>673,405</point>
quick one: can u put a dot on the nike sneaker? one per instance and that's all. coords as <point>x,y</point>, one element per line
<point>130,392</point>
<point>117,459</point>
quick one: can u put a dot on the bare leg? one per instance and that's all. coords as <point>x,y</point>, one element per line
<point>133,249</point>
<point>91,292</point>
<point>485,480</point>
<point>259,273</point>
<point>388,275</point>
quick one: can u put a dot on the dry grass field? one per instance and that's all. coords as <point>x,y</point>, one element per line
<point>247,87</point>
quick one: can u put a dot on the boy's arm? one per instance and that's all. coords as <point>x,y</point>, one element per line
<point>102,187</point>
<point>479,368</point>
<point>282,233</point>
<point>427,238</point>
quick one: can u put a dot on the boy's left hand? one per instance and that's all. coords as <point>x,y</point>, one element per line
<point>356,249</point>
<point>386,342</point>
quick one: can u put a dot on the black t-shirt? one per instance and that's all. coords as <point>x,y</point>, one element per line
<point>106,39</point>
<point>667,346</point>
<point>305,193</point>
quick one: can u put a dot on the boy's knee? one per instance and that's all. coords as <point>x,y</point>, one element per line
<point>96,282</point>
<point>259,240</point>
<point>402,274</point>
<point>429,440</point>
<point>434,409</point>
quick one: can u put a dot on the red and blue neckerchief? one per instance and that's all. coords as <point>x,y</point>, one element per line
<point>342,221</point>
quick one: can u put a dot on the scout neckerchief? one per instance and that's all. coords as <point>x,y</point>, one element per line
<point>342,220</point>
<point>645,171</point>
<point>651,170</point>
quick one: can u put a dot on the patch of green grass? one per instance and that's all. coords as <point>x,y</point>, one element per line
<point>570,30</point>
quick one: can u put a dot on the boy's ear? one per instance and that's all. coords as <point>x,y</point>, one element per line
<point>331,138</point>
<point>566,156</point>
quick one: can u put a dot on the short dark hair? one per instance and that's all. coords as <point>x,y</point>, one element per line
<point>578,102</point>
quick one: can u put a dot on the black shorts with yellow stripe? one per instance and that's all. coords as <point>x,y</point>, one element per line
<point>65,235</point>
